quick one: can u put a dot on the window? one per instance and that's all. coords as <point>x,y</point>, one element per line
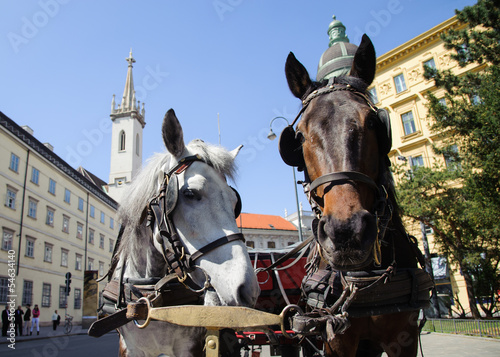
<point>11,197</point>
<point>111,245</point>
<point>78,298</point>
<point>52,186</point>
<point>50,217</point>
<point>451,159</point>
<point>103,217</point>
<point>430,63</point>
<point>4,284</point>
<point>67,195</point>
<point>46,295</point>
<point>92,211</point>
<point>271,244</point>
<point>62,296</point>
<point>428,230</point>
<point>30,247</point>
<point>14,163</point>
<point>80,204</point>
<point>32,206</point>
<point>416,161</point>
<point>250,244</point>
<point>47,256</point>
<point>64,257</point>
<point>122,141</point>
<point>7,238</point>
<point>79,230</point>
<point>35,174</point>
<point>137,145</point>
<point>91,264</point>
<point>101,268</point>
<point>91,236</point>
<point>399,82</point>
<point>101,241</point>
<point>27,293</point>
<point>78,262</point>
<point>111,223</point>
<point>408,123</point>
<point>373,94</point>
<point>65,227</point>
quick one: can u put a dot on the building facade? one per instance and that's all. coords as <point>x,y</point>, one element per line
<point>400,87</point>
<point>263,231</point>
<point>53,221</point>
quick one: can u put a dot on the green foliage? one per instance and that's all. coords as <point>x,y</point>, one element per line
<point>461,202</point>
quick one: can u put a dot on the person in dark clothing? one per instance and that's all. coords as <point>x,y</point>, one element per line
<point>19,320</point>
<point>5,321</point>
<point>27,320</point>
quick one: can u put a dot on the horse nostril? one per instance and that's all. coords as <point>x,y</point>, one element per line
<point>246,297</point>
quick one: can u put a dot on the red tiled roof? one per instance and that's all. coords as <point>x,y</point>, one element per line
<point>264,221</point>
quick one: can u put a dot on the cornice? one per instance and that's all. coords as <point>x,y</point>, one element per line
<point>421,41</point>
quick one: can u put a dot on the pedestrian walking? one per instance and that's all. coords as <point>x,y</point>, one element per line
<point>5,321</point>
<point>36,320</point>
<point>55,320</point>
<point>27,320</point>
<point>19,320</point>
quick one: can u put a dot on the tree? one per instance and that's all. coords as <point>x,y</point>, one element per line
<point>461,201</point>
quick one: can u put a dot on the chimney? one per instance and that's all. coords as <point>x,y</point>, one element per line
<point>28,129</point>
<point>49,146</point>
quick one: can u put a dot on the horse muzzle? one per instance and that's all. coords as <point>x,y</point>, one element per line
<point>348,244</point>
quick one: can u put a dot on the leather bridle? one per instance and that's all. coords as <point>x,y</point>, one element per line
<point>383,206</point>
<point>160,212</point>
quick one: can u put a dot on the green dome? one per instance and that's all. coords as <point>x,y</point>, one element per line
<point>337,59</point>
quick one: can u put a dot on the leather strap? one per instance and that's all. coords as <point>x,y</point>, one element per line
<point>215,244</point>
<point>342,177</point>
<point>108,323</point>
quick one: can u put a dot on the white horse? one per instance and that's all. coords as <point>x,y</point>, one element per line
<point>204,212</point>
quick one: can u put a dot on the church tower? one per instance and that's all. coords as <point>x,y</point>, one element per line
<point>126,142</point>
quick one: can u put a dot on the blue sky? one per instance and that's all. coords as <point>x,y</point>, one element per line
<point>62,60</point>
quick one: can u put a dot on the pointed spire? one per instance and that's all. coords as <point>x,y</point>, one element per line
<point>129,105</point>
<point>128,92</point>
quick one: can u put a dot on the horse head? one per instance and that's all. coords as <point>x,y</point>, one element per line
<point>203,208</point>
<point>342,143</point>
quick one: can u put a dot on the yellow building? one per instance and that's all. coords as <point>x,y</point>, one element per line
<point>400,87</point>
<point>53,220</point>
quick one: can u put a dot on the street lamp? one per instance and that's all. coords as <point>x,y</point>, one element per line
<point>272,136</point>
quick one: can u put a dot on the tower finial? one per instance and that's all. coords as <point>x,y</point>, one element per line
<point>130,59</point>
<point>336,31</point>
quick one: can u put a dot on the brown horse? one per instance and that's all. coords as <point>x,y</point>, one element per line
<point>341,143</point>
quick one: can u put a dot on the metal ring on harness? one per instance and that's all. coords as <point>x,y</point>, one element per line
<point>148,319</point>
<point>284,316</point>
<point>262,270</point>
<point>206,284</point>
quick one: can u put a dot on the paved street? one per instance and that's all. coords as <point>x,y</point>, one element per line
<point>78,344</point>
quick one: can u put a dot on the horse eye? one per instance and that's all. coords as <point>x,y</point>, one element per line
<point>190,194</point>
<point>299,137</point>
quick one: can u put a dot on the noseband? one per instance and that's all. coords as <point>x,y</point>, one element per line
<point>160,212</point>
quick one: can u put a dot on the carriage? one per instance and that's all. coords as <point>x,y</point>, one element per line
<point>182,271</point>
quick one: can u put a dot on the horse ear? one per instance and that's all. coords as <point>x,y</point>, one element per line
<point>364,63</point>
<point>235,152</point>
<point>173,136</point>
<point>296,76</point>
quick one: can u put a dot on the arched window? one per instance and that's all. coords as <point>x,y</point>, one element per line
<point>121,146</point>
<point>137,145</point>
